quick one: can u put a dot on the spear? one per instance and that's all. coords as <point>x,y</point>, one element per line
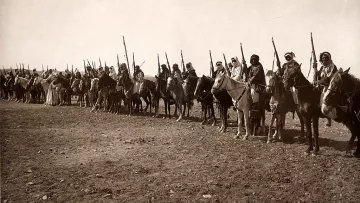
<point>42,67</point>
<point>158,64</point>
<point>133,61</point>
<point>47,67</point>
<point>167,60</point>
<point>142,63</point>
<point>272,68</point>
<point>118,63</point>
<point>226,66</point>
<point>100,62</point>
<point>67,66</point>
<point>17,67</point>
<point>211,65</point>
<point>84,66</point>
<point>310,67</point>
<point>182,62</point>
<point>127,59</point>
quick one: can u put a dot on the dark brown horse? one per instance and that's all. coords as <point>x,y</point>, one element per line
<point>189,89</point>
<point>281,102</point>
<point>204,96</point>
<point>164,94</point>
<point>309,104</point>
<point>341,102</point>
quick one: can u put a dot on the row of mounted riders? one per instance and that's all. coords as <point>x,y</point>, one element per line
<point>110,92</point>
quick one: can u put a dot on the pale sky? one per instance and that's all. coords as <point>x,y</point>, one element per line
<point>60,32</point>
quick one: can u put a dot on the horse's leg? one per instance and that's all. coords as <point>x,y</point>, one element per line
<point>225,118</point>
<point>179,103</point>
<point>328,124</point>
<point>281,126</point>
<point>301,138</point>
<point>213,113</point>
<point>316,133</point>
<point>203,113</point>
<point>221,116</point>
<point>307,120</point>
<point>188,109</point>
<point>270,127</point>
<point>263,127</point>
<point>247,123</point>
<point>239,121</point>
<point>166,107</point>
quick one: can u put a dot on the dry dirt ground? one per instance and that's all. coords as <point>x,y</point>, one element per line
<point>68,154</point>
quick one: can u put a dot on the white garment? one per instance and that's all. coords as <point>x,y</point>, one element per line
<point>254,95</point>
<point>236,71</point>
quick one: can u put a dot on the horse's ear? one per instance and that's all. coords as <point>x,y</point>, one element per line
<point>156,76</point>
<point>347,70</point>
<point>340,70</point>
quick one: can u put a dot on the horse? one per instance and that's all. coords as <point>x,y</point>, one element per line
<point>177,93</point>
<point>93,92</point>
<point>308,104</point>
<point>162,92</point>
<point>106,85</point>
<point>64,89</point>
<point>341,102</point>
<point>41,85</point>
<point>279,105</point>
<point>21,89</point>
<point>189,86</point>
<point>203,94</point>
<point>79,89</point>
<point>241,97</point>
<point>148,86</point>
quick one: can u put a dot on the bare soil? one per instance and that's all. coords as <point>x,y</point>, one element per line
<point>68,154</point>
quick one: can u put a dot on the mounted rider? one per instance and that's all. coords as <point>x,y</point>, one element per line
<point>324,75</point>
<point>165,72</point>
<point>190,72</point>
<point>237,70</point>
<point>256,79</point>
<point>176,74</point>
<point>112,73</point>
<point>219,69</point>
<point>290,96</point>
<point>138,78</point>
<point>327,69</point>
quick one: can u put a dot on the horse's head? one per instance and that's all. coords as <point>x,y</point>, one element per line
<point>219,82</point>
<point>270,79</point>
<point>94,84</point>
<point>291,77</point>
<point>16,80</point>
<point>170,83</point>
<point>340,88</point>
<point>199,86</point>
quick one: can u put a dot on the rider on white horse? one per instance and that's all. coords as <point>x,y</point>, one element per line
<point>138,77</point>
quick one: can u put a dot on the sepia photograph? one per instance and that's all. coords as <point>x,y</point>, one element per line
<point>179,101</point>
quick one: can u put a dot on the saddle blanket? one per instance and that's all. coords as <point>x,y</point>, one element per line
<point>254,95</point>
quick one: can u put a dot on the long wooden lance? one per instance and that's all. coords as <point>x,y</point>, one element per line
<point>133,62</point>
<point>182,62</point>
<point>158,58</point>
<point>226,66</point>
<point>310,67</point>
<point>100,62</point>
<point>314,57</point>
<point>127,59</point>
<point>167,60</point>
<point>211,65</point>
<point>118,62</point>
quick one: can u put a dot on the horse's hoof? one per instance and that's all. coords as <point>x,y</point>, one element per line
<point>202,123</point>
<point>314,153</point>
<point>268,141</point>
<point>357,154</point>
<point>236,137</point>
<point>245,137</point>
<point>306,153</point>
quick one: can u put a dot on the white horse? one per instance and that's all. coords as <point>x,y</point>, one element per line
<point>44,84</point>
<point>23,83</point>
<point>240,95</point>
